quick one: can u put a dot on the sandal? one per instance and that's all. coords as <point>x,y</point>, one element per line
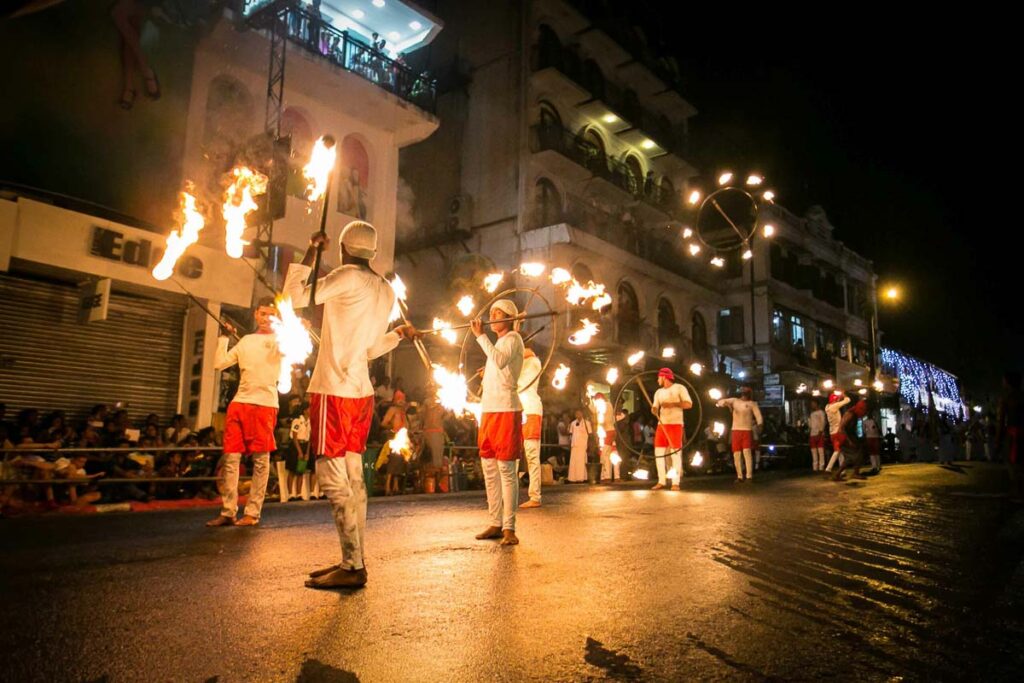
<point>128,99</point>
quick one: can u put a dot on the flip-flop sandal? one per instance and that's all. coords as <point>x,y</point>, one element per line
<point>127,102</point>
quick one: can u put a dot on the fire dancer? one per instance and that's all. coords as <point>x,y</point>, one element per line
<point>500,438</point>
<point>252,415</point>
<point>835,403</point>
<point>533,415</point>
<point>816,422</point>
<point>670,400</point>
<point>357,302</point>
<point>745,413</point>
<point>852,444</point>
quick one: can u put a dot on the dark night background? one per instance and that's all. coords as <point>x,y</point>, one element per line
<point>892,129</point>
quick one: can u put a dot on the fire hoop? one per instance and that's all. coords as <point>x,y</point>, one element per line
<point>692,416</point>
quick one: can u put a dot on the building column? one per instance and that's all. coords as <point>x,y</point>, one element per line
<point>200,383</point>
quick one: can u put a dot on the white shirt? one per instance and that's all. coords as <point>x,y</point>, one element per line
<point>182,433</point>
<point>816,422</point>
<point>834,416</point>
<point>579,432</point>
<point>357,303</point>
<point>744,413</point>
<point>259,360</point>
<point>300,428</point>
<point>384,393</point>
<point>501,374</point>
<point>530,397</point>
<point>675,393</point>
<point>871,428</point>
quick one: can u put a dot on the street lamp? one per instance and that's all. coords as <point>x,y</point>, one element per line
<point>890,294</point>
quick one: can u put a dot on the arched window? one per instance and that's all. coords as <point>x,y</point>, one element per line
<point>549,115</point>
<point>628,318</point>
<point>549,48</point>
<point>668,329</point>
<point>634,175</point>
<point>227,125</point>
<point>593,79</point>
<point>592,148</point>
<point>295,125</point>
<point>699,337</point>
<point>354,179</point>
<point>548,203</point>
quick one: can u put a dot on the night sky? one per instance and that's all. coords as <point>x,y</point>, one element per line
<point>896,144</point>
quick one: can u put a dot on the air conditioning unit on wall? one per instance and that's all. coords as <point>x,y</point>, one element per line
<point>460,216</point>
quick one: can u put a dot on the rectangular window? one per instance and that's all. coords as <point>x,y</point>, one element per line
<point>797,331</point>
<point>730,325</point>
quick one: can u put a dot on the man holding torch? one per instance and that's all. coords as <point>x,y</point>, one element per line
<point>357,303</point>
<point>533,414</point>
<point>670,400</point>
<point>252,415</point>
<point>500,438</point>
<point>745,414</point>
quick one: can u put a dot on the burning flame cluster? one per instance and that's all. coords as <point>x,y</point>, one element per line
<point>466,305</point>
<point>578,295</point>
<point>601,406</point>
<point>559,276</point>
<point>532,269</point>
<point>239,203</point>
<point>561,377</point>
<point>492,281</point>
<point>400,443</point>
<point>446,331</point>
<point>584,334</point>
<point>400,293</point>
<point>318,170</point>
<point>293,341</point>
<point>180,240</point>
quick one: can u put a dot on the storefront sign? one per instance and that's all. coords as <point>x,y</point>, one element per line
<point>774,396</point>
<point>113,245</point>
<point>772,379</point>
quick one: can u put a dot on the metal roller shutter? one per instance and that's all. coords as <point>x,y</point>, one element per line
<point>49,361</point>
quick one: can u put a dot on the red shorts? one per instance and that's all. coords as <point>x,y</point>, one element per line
<point>818,441</point>
<point>742,439</point>
<point>531,428</point>
<point>338,425</point>
<point>501,435</point>
<point>609,437</point>
<point>838,440</point>
<point>249,428</point>
<point>874,446</point>
<point>668,436</point>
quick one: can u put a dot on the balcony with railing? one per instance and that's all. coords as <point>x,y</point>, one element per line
<point>316,35</point>
<point>551,137</point>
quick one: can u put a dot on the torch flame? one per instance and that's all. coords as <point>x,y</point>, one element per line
<point>641,474</point>
<point>718,428</point>
<point>318,170</point>
<point>635,358</point>
<point>672,474</point>
<point>401,444</point>
<point>697,460</point>
<point>532,269</point>
<point>615,458</point>
<point>293,341</point>
<point>447,333</point>
<point>400,293</point>
<point>668,352</point>
<point>584,334</point>
<point>179,240</point>
<point>559,276</point>
<point>451,389</point>
<point>466,305</point>
<point>613,375</point>
<point>238,203</point>
<point>561,376</point>
<point>578,294</point>
<point>492,281</point>
<point>602,408</point>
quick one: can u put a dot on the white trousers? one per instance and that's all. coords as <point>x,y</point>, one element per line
<point>502,480</point>
<point>296,485</point>
<point>817,459</point>
<point>341,480</point>
<point>532,449</point>
<point>738,460</point>
<point>677,464</point>
<point>837,457</point>
<point>228,481</point>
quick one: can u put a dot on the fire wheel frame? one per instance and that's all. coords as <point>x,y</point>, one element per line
<point>691,435</point>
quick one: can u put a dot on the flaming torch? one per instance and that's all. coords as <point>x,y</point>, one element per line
<point>445,329</point>
<point>531,269</point>
<point>401,444</point>
<point>451,389</point>
<point>492,281</point>
<point>697,460</point>
<point>613,376</point>
<point>584,334</point>
<point>635,358</point>
<point>293,340</point>
<point>180,240</point>
<point>561,376</point>
<point>466,305</point>
<point>400,294</point>
<point>239,203</point>
<point>559,276</point>
<point>320,171</point>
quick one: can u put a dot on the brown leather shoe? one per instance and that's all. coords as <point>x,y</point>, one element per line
<point>675,487</point>
<point>246,520</point>
<point>508,537</point>
<point>657,487</point>
<point>530,504</point>
<point>488,533</point>
<point>326,570</point>
<point>339,578</point>
<point>221,520</point>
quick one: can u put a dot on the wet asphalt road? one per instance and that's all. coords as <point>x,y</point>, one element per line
<point>914,575</point>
